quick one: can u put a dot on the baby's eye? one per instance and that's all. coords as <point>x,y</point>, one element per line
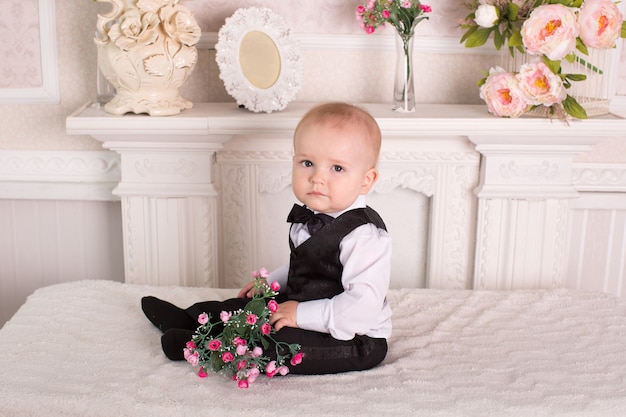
<point>337,168</point>
<point>306,163</point>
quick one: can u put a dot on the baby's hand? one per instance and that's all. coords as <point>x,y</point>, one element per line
<point>285,316</point>
<point>247,291</point>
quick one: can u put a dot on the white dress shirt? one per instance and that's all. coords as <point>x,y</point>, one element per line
<point>361,308</point>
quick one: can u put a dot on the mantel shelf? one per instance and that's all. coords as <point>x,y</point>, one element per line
<point>215,119</point>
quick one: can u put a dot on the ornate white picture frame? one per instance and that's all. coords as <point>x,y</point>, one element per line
<point>259,60</point>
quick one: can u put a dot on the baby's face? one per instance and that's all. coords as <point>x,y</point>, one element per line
<point>332,166</point>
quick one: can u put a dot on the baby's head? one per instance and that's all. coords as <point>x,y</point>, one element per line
<point>336,148</point>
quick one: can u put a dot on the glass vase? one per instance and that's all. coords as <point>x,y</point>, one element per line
<point>404,88</point>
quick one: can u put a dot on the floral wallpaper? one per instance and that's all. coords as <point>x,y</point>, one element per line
<point>20,50</point>
<point>441,78</point>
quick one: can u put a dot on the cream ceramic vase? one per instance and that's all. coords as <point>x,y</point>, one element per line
<point>146,51</point>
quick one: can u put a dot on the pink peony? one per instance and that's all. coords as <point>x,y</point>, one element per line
<point>297,359</point>
<point>541,85</point>
<point>272,306</point>
<point>203,318</point>
<point>600,23</point>
<point>502,94</point>
<point>551,29</point>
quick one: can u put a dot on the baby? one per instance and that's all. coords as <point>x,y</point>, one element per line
<point>332,301</point>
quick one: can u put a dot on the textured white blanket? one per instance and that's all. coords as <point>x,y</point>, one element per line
<point>85,349</point>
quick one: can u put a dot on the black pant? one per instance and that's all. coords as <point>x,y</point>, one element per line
<point>323,354</point>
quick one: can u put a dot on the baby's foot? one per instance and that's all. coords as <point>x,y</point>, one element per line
<point>174,341</point>
<point>166,315</point>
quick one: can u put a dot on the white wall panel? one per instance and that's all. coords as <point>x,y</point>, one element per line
<point>45,242</point>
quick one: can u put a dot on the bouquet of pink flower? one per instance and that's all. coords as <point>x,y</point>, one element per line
<point>553,30</point>
<point>238,351</point>
<point>403,15</point>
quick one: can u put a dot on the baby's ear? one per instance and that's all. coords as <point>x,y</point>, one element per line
<point>369,179</point>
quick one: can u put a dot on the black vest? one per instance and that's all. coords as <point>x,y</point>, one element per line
<point>314,267</point>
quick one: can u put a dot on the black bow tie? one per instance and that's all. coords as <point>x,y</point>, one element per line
<point>314,222</point>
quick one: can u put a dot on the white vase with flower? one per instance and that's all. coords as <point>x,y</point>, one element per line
<point>146,50</point>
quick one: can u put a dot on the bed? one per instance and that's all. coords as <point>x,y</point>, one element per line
<point>85,349</point>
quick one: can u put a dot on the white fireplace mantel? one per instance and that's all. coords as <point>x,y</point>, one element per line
<point>500,187</point>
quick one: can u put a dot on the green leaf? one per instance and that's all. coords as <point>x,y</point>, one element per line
<point>468,33</point>
<point>623,33</point>
<point>216,361</point>
<point>574,109</point>
<point>255,306</point>
<point>515,40</point>
<point>478,38</point>
<point>576,77</point>
<point>580,45</point>
<point>498,39</point>
<point>555,66</point>
<point>513,10</point>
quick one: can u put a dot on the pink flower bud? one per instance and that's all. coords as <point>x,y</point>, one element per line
<point>283,370</point>
<point>251,319</point>
<point>243,383</point>
<point>225,316</point>
<point>203,318</point>
<point>214,345</point>
<point>266,328</point>
<point>257,351</point>
<point>202,373</point>
<point>264,273</point>
<point>273,306</point>
<point>227,357</point>
<point>297,359</point>
<point>275,286</point>
<point>241,350</point>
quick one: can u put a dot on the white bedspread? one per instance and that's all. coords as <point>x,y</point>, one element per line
<point>85,349</point>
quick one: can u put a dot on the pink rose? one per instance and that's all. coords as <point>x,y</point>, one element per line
<point>241,365</point>
<point>297,359</point>
<point>283,370</point>
<point>225,316</point>
<point>272,306</point>
<point>426,8</point>
<point>193,358</point>
<point>264,273</point>
<point>540,85</point>
<point>190,345</point>
<point>227,357</point>
<point>238,341</point>
<point>551,29</point>
<point>241,350</point>
<point>270,369</point>
<point>600,23</point>
<point>266,328</point>
<point>502,94</point>
<point>202,373</point>
<point>257,351</point>
<point>214,345</point>
<point>275,286</point>
<point>243,383</point>
<point>251,319</point>
<point>203,318</point>
<point>253,373</point>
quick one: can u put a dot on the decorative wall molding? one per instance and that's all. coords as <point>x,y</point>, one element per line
<point>599,177</point>
<point>59,175</point>
<point>48,93</point>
